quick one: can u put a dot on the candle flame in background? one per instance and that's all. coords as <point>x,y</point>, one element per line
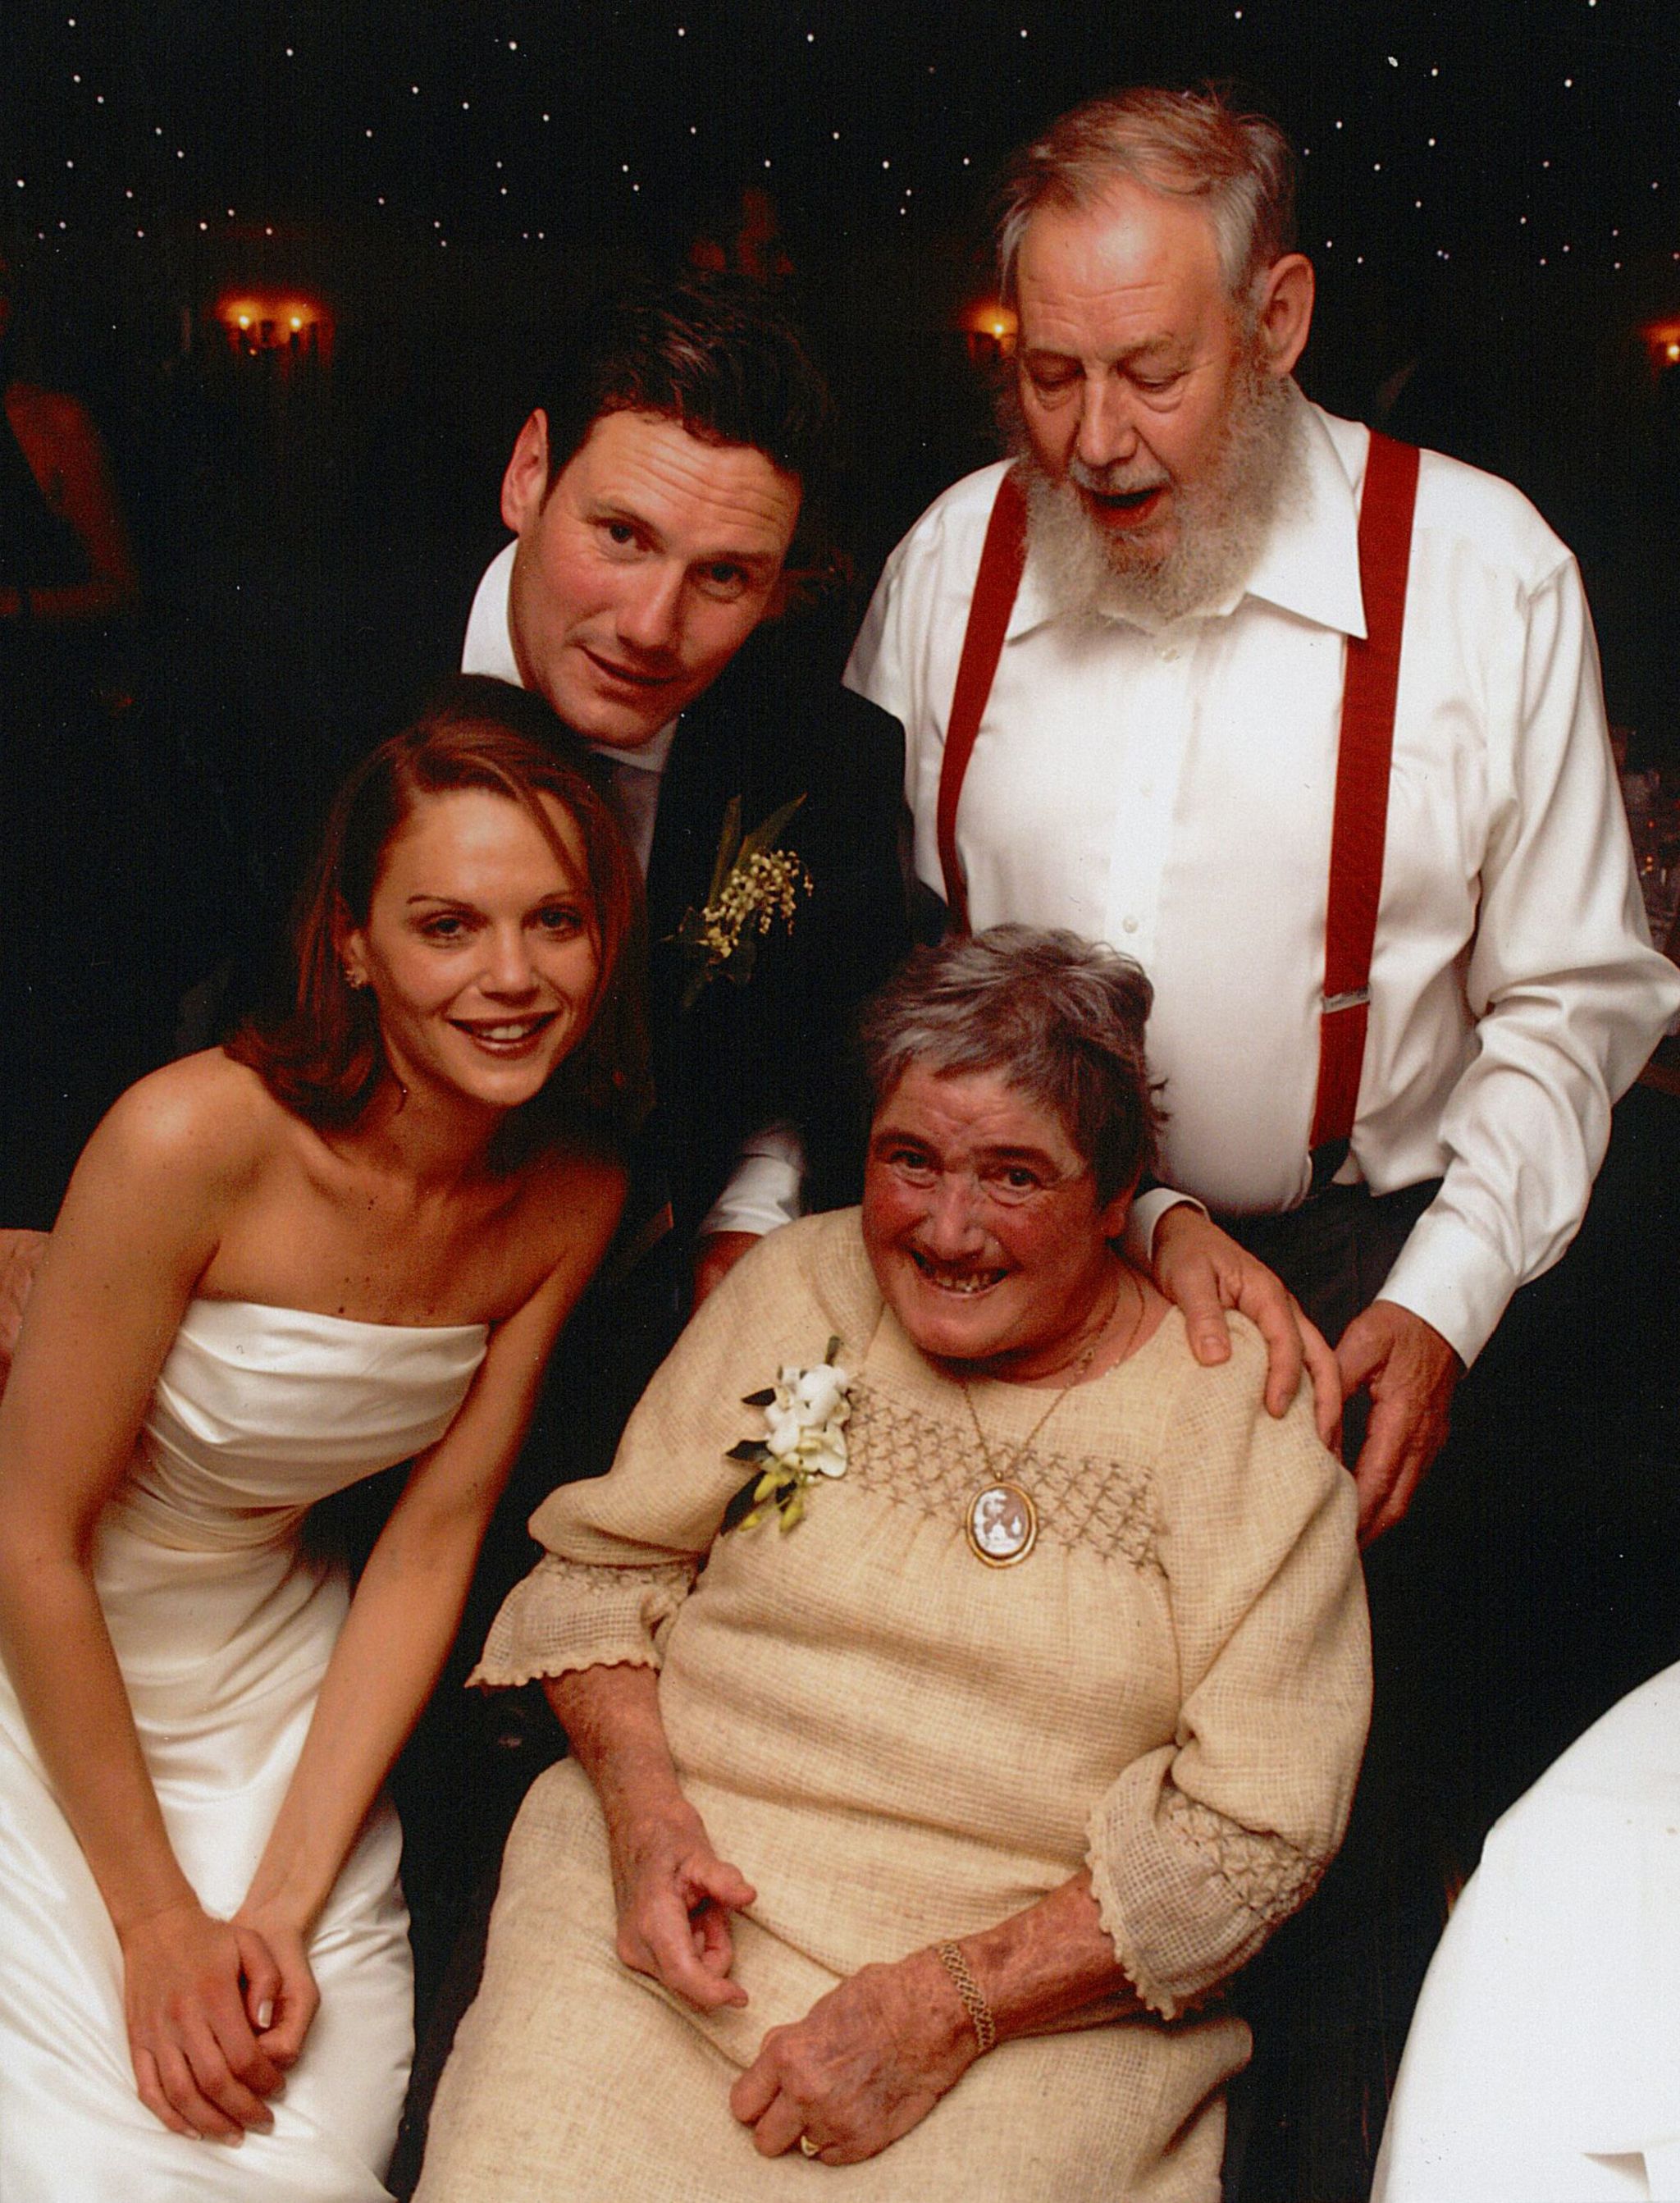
<point>1662,341</point>
<point>272,321</point>
<point>990,327</point>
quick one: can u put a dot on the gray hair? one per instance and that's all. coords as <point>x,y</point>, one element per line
<point>1182,145</point>
<point>1060,1019</point>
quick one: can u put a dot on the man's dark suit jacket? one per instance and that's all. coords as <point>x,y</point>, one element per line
<point>741,1057</point>
<point>780,1046</point>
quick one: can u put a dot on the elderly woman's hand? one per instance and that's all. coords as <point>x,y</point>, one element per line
<point>675,1897</point>
<point>673,1893</point>
<point>866,2063</point>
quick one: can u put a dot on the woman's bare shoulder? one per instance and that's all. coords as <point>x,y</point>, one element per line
<point>570,1191</point>
<point>204,1120</point>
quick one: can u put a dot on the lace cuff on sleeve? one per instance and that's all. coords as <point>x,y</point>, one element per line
<point>1186,1894</point>
<point>567,1614</point>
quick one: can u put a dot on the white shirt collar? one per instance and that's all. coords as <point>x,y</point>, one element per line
<point>1309,565</point>
<point>488,648</point>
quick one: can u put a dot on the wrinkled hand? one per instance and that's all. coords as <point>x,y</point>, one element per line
<point>675,1897</point>
<point>1410,1371</point>
<point>866,2063</point>
<point>716,1255</point>
<point>194,1990</point>
<point>1204,1272</point>
<point>20,1254</point>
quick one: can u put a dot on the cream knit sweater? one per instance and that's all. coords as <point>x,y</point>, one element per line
<point>895,1742</point>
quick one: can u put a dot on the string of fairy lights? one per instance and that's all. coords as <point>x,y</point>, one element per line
<point>1548,128</point>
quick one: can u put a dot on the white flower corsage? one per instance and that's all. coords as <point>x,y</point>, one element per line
<point>806,1414</point>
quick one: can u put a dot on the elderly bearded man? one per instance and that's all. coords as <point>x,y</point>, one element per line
<point>1209,627</point>
<point>1156,752</point>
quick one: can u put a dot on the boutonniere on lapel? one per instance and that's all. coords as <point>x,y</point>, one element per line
<point>806,1414</point>
<point>753,884</point>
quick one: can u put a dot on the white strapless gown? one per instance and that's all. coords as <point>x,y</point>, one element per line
<point>223,1630</point>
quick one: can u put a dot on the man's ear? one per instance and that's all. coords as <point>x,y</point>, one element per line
<point>525,484</point>
<point>1287,293</point>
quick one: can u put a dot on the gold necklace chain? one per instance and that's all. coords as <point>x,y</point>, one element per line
<point>1056,1399</point>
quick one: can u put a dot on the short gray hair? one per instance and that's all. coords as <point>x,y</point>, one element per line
<point>1059,1020</point>
<point>1182,145</point>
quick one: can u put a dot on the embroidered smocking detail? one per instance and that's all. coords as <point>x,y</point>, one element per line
<point>1086,1500</point>
<point>1268,1875</point>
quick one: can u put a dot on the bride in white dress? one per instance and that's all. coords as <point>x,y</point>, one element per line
<point>349,1240</point>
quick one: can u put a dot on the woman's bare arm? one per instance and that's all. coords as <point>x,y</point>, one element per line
<point>405,1614</point>
<point>140,1223</point>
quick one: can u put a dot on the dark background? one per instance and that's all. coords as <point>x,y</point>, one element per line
<point>1490,194</point>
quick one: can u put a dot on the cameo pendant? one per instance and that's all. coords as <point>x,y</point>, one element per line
<point>1002,1524</point>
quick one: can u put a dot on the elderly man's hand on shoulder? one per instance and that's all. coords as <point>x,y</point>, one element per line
<point>1204,1272</point>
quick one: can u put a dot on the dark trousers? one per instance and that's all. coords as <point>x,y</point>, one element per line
<point>1329,2000</point>
<point>1535,1579</point>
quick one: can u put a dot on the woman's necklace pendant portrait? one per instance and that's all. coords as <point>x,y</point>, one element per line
<point>1001,1524</point>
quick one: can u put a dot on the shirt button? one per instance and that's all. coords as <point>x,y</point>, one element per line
<point>1169,652</point>
<point>1145,791</point>
<point>1128,925</point>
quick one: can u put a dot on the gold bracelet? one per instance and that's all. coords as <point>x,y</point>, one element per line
<point>969,1990</point>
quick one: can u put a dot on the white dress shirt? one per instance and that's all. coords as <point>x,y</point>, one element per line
<point>763,1187</point>
<point>1171,793</point>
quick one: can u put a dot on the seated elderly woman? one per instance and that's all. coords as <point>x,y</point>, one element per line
<point>961,1681</point>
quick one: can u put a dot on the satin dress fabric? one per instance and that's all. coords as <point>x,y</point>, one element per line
<point>223,1627</point>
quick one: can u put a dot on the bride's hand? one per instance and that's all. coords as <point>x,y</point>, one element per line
<point>281,2016</point>
<point>190,1984</point>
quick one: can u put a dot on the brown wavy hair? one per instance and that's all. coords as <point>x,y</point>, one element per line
<point>322,1056</point>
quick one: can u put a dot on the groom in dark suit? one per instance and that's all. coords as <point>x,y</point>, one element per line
<point>660,500</point>
<point>660,497</point>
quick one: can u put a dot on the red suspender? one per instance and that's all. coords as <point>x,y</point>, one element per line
<point>1369,687</point>
<point>1367,740</point>
<point>1002,563</point>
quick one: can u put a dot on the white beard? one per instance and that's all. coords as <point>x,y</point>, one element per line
<point>1259,473</point>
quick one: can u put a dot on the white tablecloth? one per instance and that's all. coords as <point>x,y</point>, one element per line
<point>1543,2062</point>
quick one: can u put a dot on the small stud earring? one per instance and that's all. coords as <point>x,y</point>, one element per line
<point>355,978</point>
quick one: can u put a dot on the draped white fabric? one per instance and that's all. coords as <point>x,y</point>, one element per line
<point>222,1629</point>
<point>1544,2056</point>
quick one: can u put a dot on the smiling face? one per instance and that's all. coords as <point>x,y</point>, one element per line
<point>984,1228</point>
<point>480,947</point>
<point>644,569</point>
<point>1157,414</point>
